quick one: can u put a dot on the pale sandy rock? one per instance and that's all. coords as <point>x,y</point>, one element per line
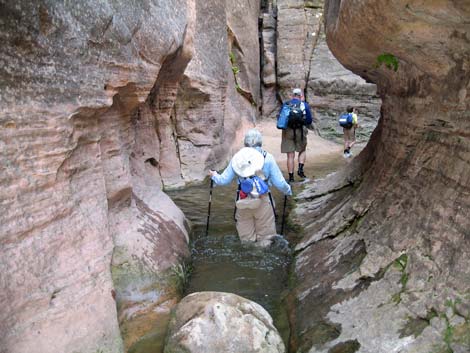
<point>221,322</point>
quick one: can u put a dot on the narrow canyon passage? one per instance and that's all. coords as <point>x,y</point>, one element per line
<point>107,105</point>
<point>221,263</point>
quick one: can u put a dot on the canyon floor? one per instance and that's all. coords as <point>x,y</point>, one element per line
<point>321,153</point>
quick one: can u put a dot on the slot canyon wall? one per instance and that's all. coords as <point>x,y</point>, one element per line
<point>102,105</point>
<point>383,265</point>
<point>294,53</point>
<point>106,104</point>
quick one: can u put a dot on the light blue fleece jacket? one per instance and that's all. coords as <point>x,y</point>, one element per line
<point>270,170</point>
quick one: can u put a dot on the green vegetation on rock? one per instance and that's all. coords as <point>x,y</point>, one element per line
<point>389,60</point>
<point>400,264</point>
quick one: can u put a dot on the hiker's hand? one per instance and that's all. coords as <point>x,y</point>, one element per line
<point>212,173</point>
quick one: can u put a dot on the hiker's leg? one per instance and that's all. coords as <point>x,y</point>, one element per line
<point>245,225</point>
<point>290,161</point>
<point>345,137</point>
<point>265,224</point>
<point>302,156</point>
<point>352,137</point>
<point>300,171</point>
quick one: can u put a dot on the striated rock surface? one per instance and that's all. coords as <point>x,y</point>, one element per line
<point>383,264</point>
<point>268,25</point>
<point>219,92</point>
<point>78,172</point>
<point>221,322</point>
<point>298,26</point>
<point>100,109</point>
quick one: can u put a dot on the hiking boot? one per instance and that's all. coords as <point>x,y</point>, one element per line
<point>291,179</point>
<point>301,174</point>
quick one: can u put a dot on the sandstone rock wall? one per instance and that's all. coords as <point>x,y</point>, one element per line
<point>72,76</point>
<point>298,25</point>
<point>213,102</point>
<point>384,262</point>
<point>99,110</point>
<point>268,55</point>
<point>295,54</point>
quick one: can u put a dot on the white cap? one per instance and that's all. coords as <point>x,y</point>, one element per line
<point>247,162</point>
<point>297,91</point>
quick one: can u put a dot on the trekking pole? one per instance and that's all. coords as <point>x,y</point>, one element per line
<point>209,211</point>
<point>272,205</point>
<point>283,215</point>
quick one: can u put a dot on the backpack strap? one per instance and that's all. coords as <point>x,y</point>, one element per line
<point>264,153</point>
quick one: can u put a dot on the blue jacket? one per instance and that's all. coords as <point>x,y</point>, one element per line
<point>270,170</point>
<point>308,113</point>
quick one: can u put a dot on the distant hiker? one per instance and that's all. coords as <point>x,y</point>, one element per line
<point>255,169</point>
<point>294,137</point>
<point>348,122</point>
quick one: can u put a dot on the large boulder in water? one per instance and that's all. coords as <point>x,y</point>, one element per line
<point>221,322</point>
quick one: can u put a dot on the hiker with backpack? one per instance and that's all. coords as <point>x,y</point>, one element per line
<point>255,170</point>
<point>293,119</point>
<point>348,121</point>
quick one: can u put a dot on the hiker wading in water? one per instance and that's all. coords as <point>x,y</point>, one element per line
<point>255,170</point>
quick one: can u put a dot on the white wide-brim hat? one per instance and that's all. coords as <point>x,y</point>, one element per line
<point>247,162</point>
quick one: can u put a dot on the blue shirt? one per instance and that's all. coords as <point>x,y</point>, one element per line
<point>270,170</point>
<point>308,113</point>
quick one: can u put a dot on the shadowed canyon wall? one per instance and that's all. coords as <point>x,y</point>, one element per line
<point>102,104</point>
<point>383,265</point>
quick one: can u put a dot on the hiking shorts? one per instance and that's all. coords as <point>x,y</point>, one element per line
<point>288,144</point>
<point>349,134</point>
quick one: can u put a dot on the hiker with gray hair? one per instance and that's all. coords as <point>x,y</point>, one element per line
<point>255,170</point>
<point>294,138</point>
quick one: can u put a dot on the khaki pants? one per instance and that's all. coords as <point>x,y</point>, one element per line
<point>257,225</point>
